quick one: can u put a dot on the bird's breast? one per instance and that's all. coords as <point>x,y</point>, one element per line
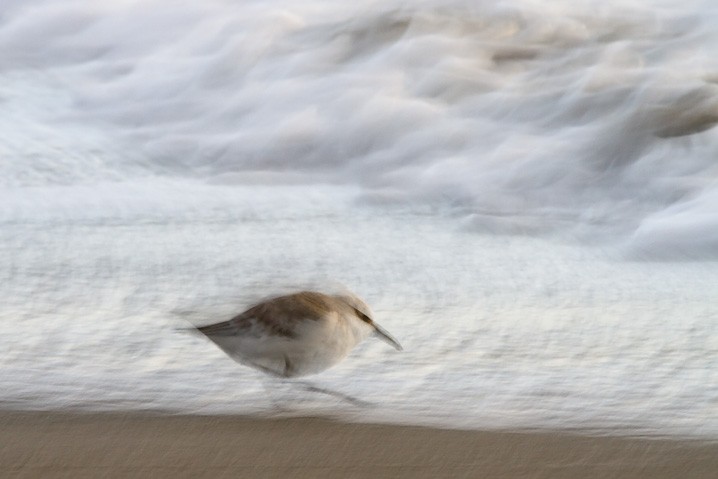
<point>322,344</point>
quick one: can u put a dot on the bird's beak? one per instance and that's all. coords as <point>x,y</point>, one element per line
<point>386,337</point>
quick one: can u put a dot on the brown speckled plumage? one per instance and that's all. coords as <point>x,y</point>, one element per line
<point>278,315</point>
<point>297,334</point>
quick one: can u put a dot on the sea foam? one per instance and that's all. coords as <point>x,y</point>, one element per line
<point>576,117</point>
<point>485,174</point>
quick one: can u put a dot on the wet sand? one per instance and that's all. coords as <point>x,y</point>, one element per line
<point>116,445</point>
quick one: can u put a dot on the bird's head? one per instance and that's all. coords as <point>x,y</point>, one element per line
<point>364,314</point>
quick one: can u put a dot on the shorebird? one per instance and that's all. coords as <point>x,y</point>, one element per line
<point>298,334</point>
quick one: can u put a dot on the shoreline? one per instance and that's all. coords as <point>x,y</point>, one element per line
<point>68,444</point>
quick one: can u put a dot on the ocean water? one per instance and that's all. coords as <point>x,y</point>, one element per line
<point>525,192</point>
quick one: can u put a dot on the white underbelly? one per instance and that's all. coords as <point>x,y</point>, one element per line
<point>316,347</point>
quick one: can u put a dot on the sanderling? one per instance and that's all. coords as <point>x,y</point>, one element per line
<point>297,334</point>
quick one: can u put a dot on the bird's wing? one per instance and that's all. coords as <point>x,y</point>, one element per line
<point>276,317</point>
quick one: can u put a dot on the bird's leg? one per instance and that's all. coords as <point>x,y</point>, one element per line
<point>279,392</point>
<point>276,389</point>
<point>345,397</point>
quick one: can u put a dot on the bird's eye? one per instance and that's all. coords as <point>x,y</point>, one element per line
<point>363,316</point>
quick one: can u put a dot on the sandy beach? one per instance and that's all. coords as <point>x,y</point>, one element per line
<point>115,445</point>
